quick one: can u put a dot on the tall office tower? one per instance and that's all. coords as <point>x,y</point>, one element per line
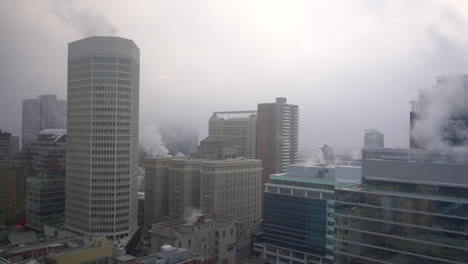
<point>439,118</point>
<point>102,137</point>
<point>9,146</point>
<point>237,128</point>
<point>45,191</point>
<point>298,218</point>
<point>233,187</point>
<point>277,136</point>
<point>373,139</point>
<point>42,113</point>
<point>156,191</point>
<point>410,208</point>
<point>327,153</point>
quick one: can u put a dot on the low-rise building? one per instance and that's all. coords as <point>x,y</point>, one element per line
<point>209,234</point>
<point>97,250</point>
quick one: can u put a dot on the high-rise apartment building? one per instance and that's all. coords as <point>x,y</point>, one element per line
<point>298,222</point>
<point>42,113</point>
<point>102,137</point>
<point>237,128</point>
<point>233,187</point>
<point>412,207</point>
<point>277,136</point>
<point>9,146</point>
<point>45,191</point>
<point>373,139</point>
<point>439,118</point>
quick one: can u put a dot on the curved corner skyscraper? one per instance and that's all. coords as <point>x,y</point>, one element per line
<point>102,140</point>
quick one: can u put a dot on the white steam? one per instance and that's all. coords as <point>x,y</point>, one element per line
<point>84,20</point>
<point>440,114</point>
<point>151,141</point>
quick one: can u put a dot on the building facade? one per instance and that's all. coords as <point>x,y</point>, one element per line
<point>41,113</point>
<point>298,219</point>
<point>237,128</point>
<point>102,137</point>
<point>233,187</point>
<point>408,209</point>
<point>45,191</point>
<point>373,139</point>
<point>277,136</point>
<point>9,146</point>
<point>208,234</point>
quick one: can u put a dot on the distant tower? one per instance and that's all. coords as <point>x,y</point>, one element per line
<point>9,147</point>
<point>277,136</point>
<point>102,137</point>
<point>373,139</point>
<point>42,113</point>
<point>327,152</point>
<point>237,128</point>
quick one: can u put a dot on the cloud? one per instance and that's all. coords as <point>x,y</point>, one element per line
<point>86,21</point>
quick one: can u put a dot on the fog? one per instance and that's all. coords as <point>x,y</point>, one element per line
<point>349,65</point>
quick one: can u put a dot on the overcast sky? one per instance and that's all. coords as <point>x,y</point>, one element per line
<point>349,65</point>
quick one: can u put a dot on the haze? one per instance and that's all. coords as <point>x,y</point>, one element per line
<point>349,65</point>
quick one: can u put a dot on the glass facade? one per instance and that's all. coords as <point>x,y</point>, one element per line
<point>296,223</point>
<point>391,222</point>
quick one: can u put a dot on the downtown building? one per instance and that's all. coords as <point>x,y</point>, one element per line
<point>373,139</point>
<point>102,137</point>
<point>412,207</point>
<point>9,147</point>
<point>298,217</point>
<point>277,136</point>
<point>45,191</point>
<point>237,128</point>
<point>41,113</point>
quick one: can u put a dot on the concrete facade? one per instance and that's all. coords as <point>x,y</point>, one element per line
<point>373,139</point>
<point>237,128</point>
<point>233,187</point>
<point>209,234</point>
<point>102,137</point>
<point>277,136</point>
<point>41,113</point>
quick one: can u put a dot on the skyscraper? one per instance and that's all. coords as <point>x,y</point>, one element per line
<point>277,136</point>
<point>9,146</point>
<point>102,137</point>
<point>45,191</point>
<point>237,128</point>
<point>42,113</point>
<point>373,139</point>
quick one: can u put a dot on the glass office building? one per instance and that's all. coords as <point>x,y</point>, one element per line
<point>405,211</point>
<point>298,221</point>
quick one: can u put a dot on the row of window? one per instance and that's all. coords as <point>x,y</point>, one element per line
<point>111,109</point>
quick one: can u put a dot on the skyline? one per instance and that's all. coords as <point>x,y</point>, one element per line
<point>241,54</point>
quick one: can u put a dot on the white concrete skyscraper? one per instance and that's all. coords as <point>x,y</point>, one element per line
<point>102,137</point>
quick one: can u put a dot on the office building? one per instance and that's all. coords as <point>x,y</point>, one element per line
<point>208,234</point>
<point>409,208</point>
<point>9,146</point>
<point>14,193</point>
<point>439,118</point>
<point>237,128</point>
<point>45,191</point>
<point>373,139</point>
<point>233,187</point>
<point>215,148</point>
<point>41,113</point>
<point>298,221</point>
<point>102,137</point>
<point>277,136</point>
<point>327,153</point>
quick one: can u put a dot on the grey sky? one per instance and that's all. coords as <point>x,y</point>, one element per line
<point>349,65</point>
